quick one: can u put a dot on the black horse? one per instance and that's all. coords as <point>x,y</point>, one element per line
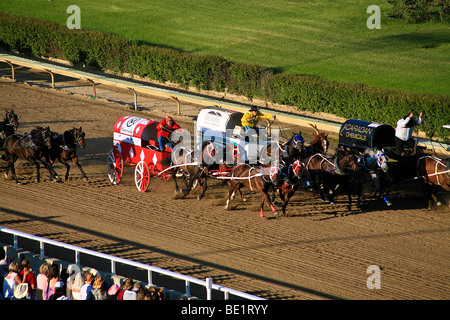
<point>33,148</point>
<point>64,148</point>
<point>373,166</point>
<point>329,173</point>
<point>8,126</point>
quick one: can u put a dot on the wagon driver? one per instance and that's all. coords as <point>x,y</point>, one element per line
<point>404,131</point>
<point>250,119</point>
<point>165,128</point>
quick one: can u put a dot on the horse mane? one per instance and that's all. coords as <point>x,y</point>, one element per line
<point>370,152</point>
<point>37,130</point>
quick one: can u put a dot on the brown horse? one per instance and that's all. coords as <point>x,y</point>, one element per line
<point>192,172</point>
<point>64,148</point>
<point>331,173</point>
<point>289,182</point>
<point>32,148</point>
<point>434,173</point>
<point>252,178</point>
<point>319,144</point>
<point>295,148</point>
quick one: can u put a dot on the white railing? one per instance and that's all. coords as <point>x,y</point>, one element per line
<point>209,286</point>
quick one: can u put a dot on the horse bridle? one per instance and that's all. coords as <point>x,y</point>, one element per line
<point>381,158</point>
<point>10,117</point>
<point>79,136</point>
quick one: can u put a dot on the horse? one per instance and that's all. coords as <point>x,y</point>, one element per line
<point>295,147</point>
<point>373,163</point>
<point>64,148</point>
<point>32,148</point>
<point>319,144</point>
<point>9,125</point>
<point>434,173</point>
<point>289,181</point>
<point>11,119</point>
<point>252,178</point>
<point>182,161</point>
<point>333,172</point>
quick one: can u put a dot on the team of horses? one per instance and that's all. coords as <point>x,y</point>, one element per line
<point>39,147</point>
<point>344,172</point>
<point>297,163</point>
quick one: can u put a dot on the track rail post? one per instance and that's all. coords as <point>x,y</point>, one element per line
<point>52,76</point>
<point>94,90</point>
<point>178,104</point>
<point>135,98</point>
<point>13,75</point>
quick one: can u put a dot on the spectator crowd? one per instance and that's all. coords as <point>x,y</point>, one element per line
<point>19,282</point>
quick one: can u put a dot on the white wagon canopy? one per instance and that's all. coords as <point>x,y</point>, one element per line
<point>222,128</point>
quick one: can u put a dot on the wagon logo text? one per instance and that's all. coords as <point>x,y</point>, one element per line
<point>355,132</point>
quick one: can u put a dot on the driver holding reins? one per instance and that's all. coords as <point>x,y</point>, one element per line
<point>250,119</point>
<point>404,131</point>
<point>165,129</point>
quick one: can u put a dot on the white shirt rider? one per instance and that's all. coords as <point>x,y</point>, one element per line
<point>405,133</point>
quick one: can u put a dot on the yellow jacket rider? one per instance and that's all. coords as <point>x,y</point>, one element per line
<point>250,119</point>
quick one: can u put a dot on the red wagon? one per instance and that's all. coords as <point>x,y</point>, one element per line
<point>135,144</point>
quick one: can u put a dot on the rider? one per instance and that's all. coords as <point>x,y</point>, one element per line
<point>250,119</point>
<point>165,128</point>
<point>404,131</point>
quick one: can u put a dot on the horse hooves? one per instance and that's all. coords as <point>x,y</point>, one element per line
<point>86,179</point>
<point>438,203</point>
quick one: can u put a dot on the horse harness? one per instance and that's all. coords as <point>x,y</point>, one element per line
<point>436,173</point>
<point>66,146</point>
<point>325,159</point>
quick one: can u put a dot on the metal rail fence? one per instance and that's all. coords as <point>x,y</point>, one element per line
<point>207,284</point>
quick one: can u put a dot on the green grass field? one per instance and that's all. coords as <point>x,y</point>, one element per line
<point>325,38</point>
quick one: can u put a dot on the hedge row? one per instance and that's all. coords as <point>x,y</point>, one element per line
<point>419,11</point>
<point>94,49</point>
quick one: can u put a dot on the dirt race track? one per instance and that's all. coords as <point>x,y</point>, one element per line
<point>318,252</point>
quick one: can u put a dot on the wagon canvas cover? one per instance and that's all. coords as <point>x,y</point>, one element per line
<point>135,130</point>
<point>363,134</point>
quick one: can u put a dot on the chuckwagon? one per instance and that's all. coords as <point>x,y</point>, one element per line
<point>135,144</point>
<point>222,130</point>
<point>359,135</point>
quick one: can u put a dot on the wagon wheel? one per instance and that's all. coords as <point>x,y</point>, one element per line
<point>142,176</point>
<point>115,166</point>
